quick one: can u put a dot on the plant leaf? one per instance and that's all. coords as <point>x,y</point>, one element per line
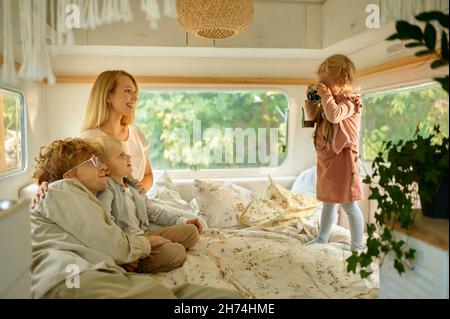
<point>365,259</point>
<point>424,53</point>
<point>387,236</point>
<point>399,266</point>
<point>444,82</point>
<point>424,16</point>
<point>444,46</point>
<point>443,20</point>
<point>410,254</point>
<point>402,27</point>
<point>434,16</point>
<point>371,229</point>
<point>438,63</point>
<point>406,31</point>
<point>414,45</point>
<point>415,32</point>
<point>392,37</point>
<point>430,36</point>
<point>352,261</point>
<point>367,180</point>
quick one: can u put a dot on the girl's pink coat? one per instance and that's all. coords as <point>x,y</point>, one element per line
<point>337,163</point>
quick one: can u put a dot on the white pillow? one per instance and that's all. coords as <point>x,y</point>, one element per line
<point>164,194</point>
<point>220,203</point>
<point>306,182</point>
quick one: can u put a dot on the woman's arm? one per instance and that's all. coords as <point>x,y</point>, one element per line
<point>40,194</point>
<point>147,181</point>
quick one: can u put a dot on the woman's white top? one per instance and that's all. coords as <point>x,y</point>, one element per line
<point>136,146</point>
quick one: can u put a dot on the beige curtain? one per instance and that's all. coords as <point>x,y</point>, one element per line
<point>393,10</point>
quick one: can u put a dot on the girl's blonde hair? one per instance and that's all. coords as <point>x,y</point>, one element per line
<point>341,70</point>
<point>98,108</point>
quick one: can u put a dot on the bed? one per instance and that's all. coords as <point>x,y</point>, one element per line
<point>272,262</point>
<point>254,243</point>
<point>263,257</point>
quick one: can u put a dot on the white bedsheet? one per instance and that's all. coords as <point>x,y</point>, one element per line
<point>273,263</point>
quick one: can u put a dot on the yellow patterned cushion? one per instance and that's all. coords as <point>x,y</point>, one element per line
<point>278,206</point>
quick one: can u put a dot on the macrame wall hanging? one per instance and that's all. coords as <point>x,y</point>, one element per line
<point>8,74</point>
<point>37,46</point>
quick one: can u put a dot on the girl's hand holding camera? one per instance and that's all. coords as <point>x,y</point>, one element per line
<point>321,89</point>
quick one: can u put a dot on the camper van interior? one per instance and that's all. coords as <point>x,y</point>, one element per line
<point>255,155</point>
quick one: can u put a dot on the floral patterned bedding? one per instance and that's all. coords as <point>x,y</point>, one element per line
<point>272,262</point>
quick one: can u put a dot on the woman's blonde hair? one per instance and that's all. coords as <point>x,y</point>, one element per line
<point>98,108</point>
<point>342,70</point>
<point>61,156</point>
<point>339,68</point>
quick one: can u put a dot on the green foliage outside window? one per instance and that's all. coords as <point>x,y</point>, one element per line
<point>393,115</point>
<point>162,113</point>
<point>10,113</point>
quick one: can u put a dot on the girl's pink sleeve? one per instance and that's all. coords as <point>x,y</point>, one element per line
<point>311,111</point>
<point>336,112</point>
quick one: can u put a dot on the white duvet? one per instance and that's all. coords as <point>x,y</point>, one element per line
<point>273,263</point>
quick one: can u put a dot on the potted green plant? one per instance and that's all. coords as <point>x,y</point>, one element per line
<point>401,173</point>
<point>408,170</point>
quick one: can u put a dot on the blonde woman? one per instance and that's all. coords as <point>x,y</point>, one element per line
<point>338,118</point>
<point>110,112</point>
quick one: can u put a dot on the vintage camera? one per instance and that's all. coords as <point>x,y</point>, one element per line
<point>313,96</point>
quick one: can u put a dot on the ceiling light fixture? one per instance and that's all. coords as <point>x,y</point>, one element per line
<point>215,19</point>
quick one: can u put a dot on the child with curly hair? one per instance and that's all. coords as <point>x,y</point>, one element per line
<point>336,139</point>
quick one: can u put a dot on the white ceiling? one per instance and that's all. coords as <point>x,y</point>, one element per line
<point>283,44</point>
<point>292,24</point>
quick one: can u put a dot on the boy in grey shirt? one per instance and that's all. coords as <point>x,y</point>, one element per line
<point>135,213</point>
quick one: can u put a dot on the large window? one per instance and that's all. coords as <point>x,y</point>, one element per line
<point>394,115</point>
<point>12,123</point>
<point>214,129</point>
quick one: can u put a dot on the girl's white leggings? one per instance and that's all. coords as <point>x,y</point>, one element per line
<point>329,218</point>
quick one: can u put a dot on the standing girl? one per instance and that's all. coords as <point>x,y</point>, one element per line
<point>336,139</point>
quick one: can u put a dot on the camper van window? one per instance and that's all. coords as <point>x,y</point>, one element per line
<point>12,123</point>
<point>394,115</point>
<point>214,129</point>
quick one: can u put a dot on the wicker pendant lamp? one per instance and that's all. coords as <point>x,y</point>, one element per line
<point>215,19</point>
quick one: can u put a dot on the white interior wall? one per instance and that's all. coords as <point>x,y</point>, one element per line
<point>292,24</point>
<point>401,78</point>
<point>343,19</point>
<point>185,66</point>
